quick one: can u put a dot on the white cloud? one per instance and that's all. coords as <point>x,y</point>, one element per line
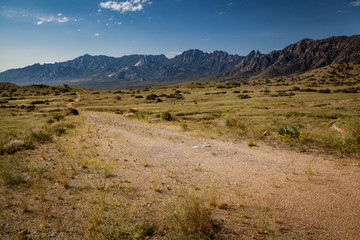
<point>39,19</point>
<point>97,34</point>
<point>50,19</point>
<point>126,6</point>
<point>355,3</point>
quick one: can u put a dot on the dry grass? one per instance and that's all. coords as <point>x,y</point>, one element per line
<point>55,184</point>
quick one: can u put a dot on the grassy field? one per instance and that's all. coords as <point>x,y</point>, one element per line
<point>54,184</point>
<point>323,105</point>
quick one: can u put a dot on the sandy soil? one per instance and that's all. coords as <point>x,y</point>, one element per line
<point>304,196</point>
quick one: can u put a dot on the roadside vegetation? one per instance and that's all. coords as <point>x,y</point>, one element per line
<point>322,105</point>
<point>54,183</point>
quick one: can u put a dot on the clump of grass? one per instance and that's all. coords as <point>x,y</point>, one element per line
<point>11,170</point>
<point>184,125</point>
<point>61,128</point>
<point>166,116</point>
<point>43,135</point>
<point>233,123</point>
<point>139,115</point>
<point>351,140</point>
<point>191,218</point>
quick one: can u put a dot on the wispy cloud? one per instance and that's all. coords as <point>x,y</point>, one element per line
<point>97,34</point>
<point>37,18</point>
<point>355,3</point>
<point>126,6</point>
<point>48,19</point>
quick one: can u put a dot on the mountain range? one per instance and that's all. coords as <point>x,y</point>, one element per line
<point>103,72</point>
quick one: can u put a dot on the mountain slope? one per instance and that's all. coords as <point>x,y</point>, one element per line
<point>146,70</point>
<point>91,70</point>
<point>300,57</point>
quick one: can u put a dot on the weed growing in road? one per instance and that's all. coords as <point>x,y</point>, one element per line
<point>191,218</point>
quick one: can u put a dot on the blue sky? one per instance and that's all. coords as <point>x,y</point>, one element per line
<point>47,31</point>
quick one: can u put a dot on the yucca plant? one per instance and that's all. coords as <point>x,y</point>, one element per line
<point>289,131</point>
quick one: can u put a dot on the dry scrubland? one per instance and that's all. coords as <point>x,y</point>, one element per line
<point>265,159</point>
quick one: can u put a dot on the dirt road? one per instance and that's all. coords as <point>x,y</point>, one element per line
<point>302,195</point>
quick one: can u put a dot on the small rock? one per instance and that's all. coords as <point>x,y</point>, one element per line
<point>206,145</point>
<point>128,114</point>
<point>196,146</point>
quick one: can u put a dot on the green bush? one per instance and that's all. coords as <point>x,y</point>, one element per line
<point>58,116</point>
<point>291,131</point>
<point>166,116</point>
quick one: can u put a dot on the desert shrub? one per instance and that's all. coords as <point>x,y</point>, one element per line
<point>58,116</point>
<point>13,146</point>
<point>143,229</point>
<point>324,90</point>
<point>41,136</point>
<point>183,125</point>
<point>139,96</point>
<point>50,121</point>
<point>289,131</point>
<point>59,131</point>
<point>151,97</point>
<point>166,116</point>
<point>37,102</point>
<point>350,90</point>
<point>139,115</point>
<point>191,218</point>
<point>61,128</point>
<point>243,96</point>
<point>70,111</point>
<point>11,170</point>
